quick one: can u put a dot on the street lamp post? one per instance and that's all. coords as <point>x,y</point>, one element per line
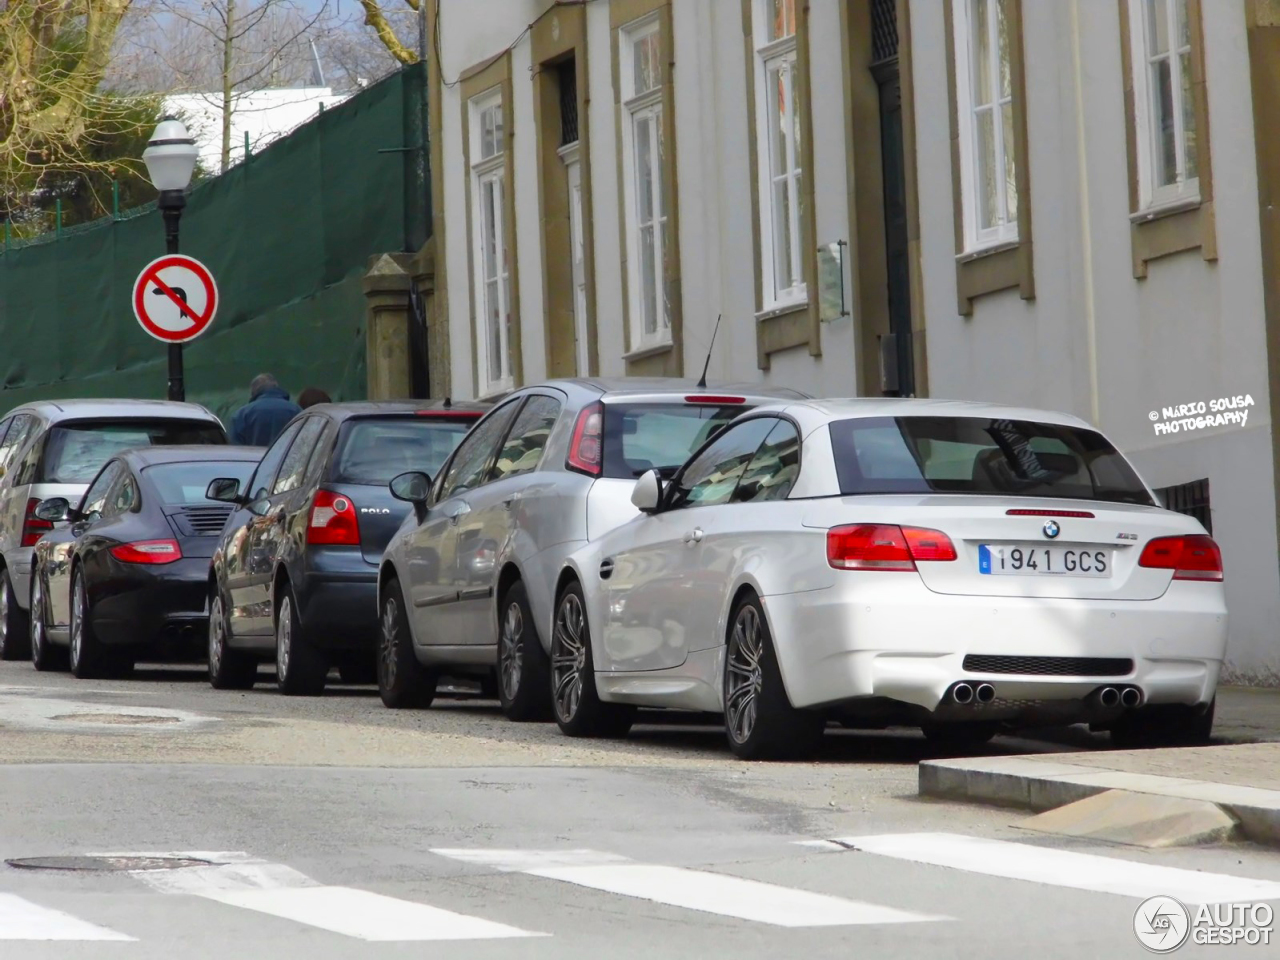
<point>171,160</point>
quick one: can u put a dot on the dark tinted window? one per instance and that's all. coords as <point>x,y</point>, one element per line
<point>295,461</point>
<point>980,456</point>
<point>263,477</point>
<point>773,470</point>
<point>467,469</point>
<point>522,451</point>
<point>74,452</point>
<point>123,498</point>
<point>713,475</point>
<point>185,483</point>
<point>376,450</point>
<point>645,436</point>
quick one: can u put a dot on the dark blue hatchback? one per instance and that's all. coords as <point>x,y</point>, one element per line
<point>294,575</point>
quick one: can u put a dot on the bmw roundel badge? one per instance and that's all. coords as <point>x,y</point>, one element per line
<point>1051,529</point>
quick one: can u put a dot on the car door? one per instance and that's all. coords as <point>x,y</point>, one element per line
<point>13,500</point>
<point>247,616</point>
<point>497,523</point>
<point>269,529</point>
<point>435,573</point>
<point>658,579</point>
<point>88,511</point>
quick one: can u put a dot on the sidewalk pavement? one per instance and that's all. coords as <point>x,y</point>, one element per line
<point>1158,797</point>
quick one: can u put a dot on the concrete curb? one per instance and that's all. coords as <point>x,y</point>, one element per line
<point>1034,784</point>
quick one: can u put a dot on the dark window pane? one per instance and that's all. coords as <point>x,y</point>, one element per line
<point>76,451</point>
<point>712,477</point>
<point>185,483</point>
<point>376,450</point>
<point>647,436</point>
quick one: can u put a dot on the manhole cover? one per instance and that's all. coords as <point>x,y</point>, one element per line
<point>123,719</point>
<point>120,864</point>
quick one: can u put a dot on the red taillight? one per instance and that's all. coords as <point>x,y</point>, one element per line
<point>712,398</point>
<point>586,450</point>
<point>148,551</point>
<point>877,546</point>
<point>33,528</point>
<point>1194,557</point>
<point>1048,513</point>
<point>333,520</point>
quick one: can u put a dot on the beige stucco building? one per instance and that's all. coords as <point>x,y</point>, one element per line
<point>1060,203</point>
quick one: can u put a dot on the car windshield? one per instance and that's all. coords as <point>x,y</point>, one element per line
<point>376,450</point>
<point>75,452</point>
<point>975,455</point>
<point>185,483</point>
<point>645,436</point>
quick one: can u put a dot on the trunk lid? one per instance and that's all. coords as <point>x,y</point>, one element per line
<point>378,513</point>
<point>1112,535</point>
<point>197,527</point>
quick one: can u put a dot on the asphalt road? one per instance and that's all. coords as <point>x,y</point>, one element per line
<point>337,829</point>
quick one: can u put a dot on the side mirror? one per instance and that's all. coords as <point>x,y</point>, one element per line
<point>223,490</point>
<point>53,510</point>
<point>647,493</point>
<point>413,487</point>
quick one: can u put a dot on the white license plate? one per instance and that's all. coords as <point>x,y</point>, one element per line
<point>1036,560</point>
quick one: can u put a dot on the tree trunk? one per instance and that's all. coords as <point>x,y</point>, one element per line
<point>228,64</point>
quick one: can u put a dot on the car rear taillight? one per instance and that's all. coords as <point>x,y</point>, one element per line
<point>148,551</point>
<point>333,521</point>
<point>1193,557</point>
<point>717,400</point>
<point>586,449</point>
<point>33,528</point>
<point>881,546</point>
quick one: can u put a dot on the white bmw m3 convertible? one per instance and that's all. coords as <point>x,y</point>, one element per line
<point>962,567</point>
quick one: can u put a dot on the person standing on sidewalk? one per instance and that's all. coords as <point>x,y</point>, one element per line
<point>263,418</point>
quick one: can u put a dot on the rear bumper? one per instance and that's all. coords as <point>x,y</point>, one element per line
<point>340,610</point>
<point>891,638</point>
<point>165,612</point>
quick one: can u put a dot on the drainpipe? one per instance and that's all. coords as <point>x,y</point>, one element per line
<point>1086,233</point>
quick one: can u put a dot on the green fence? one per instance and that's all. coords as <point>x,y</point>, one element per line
<point>287,235</point>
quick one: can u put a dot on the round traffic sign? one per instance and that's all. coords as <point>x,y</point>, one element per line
<point>175,298</point>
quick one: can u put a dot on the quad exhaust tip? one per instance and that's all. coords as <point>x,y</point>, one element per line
<point>1109,697</point>
<point>962,693</point>
<point>1130,697</point>
<point>985,693</point>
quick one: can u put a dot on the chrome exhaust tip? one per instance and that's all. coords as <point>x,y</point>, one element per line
<point>1130,696</point>
<point>1109,697</point>
<point>985,693</point>
<point>962,693</point>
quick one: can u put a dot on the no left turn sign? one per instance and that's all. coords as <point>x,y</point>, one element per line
<point>175,298</point>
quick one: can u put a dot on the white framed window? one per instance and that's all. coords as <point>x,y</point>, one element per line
<point>644,153</point>
<point>492,265</point>
<point>778,153</point>
<point>1163,103</point>
<point>570,156</point>
<point>984,114</point>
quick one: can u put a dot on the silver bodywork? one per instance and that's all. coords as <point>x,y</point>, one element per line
<point>46,415</point>
<point>454,562</point>
<point>661,589</point>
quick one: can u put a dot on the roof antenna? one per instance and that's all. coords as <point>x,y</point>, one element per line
<point>702,384</point>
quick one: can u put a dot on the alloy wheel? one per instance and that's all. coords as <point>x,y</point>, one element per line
<point>390,642</point>
<point>568,657</point>
<point>745,677</point>
<point>37,617</point>
<point>4,615</point>
<point>216,635</point>
<point>284,636</point>
<point>77,621</point>
<point>512,652</point>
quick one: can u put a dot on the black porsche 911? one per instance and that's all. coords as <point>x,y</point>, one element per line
<point>123,575</point>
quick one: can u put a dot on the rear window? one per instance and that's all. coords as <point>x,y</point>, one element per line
<point>646,436</point>
<point>75,452</point>
<point>181,484</point>
<point>374,451</point>
<point>980,456</point>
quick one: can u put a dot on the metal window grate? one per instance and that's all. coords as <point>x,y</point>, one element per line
<point>567,74</point>
<point>1189,498</point>
<point>884,30</point>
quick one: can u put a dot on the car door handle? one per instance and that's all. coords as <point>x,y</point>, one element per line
<point>606,569</point>
<point>457,512</point>
<point>511,501</point>
<point>693,536</point>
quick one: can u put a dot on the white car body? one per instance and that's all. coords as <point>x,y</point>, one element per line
<point>892,645</point>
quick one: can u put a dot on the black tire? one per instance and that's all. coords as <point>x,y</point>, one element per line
<point>403,682</point>
<point>959,735</point>
<point>524,670</point>
<point>1164,725</point>
<point>229,669</point>
<point>301,669</point>
<point>760,722</point>
<point>359,672</point>
<point>90,660</point>
<point>579,711</point>
<point>15,640</point>
<point>45,655</point>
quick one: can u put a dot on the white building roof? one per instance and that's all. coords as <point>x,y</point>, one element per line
<point>265,115</point>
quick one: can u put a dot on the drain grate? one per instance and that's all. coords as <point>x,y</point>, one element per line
<point>108,864</point>
<point>119,719</point>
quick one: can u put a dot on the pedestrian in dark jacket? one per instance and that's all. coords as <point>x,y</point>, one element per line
<point>263,418</point>
<point>311,396</point>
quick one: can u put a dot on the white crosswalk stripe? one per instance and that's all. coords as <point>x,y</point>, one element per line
<point>699,890</point>
<point>1062,868</point>
<point>23,920</point>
